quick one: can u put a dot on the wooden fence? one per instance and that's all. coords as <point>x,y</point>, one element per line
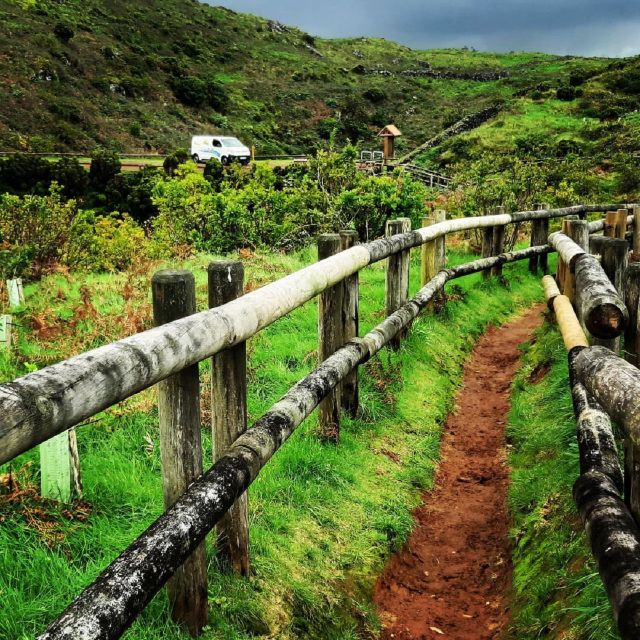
<point>49,402</point>
<point>596,297</point>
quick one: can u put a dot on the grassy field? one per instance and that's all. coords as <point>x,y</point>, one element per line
<point>557,590</point>
<point>323,518</point>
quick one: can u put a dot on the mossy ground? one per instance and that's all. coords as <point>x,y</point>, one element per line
<point>557,590</point>
<point>323,518</point>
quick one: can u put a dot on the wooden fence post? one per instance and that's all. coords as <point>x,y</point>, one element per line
<point>615,223</point>
<point>229,415</point>
<point>397,285</point>
<point>544,239</point>
<point>427,254</point>
<point>350,324</point>
<point>561,267</point>
<point>330,339</point>
<point>539,234</point>
<point>578,231</point>
<point>631,292</point>
<point>614,261</point>
<point>174,296</point>
<point>498,242</point>
<point>439,215</point>
<point>487,248</point>
<point>635,256</point>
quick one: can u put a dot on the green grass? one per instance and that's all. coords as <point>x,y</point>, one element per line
<point>557,590</point>
<point>323,519</point>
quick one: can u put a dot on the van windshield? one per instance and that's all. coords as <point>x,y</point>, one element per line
<point>231,142</point>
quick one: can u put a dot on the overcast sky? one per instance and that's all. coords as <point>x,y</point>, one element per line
<point>581,27</point>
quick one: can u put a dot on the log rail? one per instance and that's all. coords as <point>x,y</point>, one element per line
<point>41,405</point>
<point>606,388</point>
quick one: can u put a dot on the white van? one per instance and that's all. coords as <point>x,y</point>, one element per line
<point>223,148</point>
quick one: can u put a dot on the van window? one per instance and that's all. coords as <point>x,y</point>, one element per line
<point>216,143</point>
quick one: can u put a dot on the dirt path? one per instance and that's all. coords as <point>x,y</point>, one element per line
<point>452,578</point>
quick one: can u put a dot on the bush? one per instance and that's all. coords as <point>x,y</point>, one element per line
<point>71,176</point>
<point>105,165</point>
<point>35,232</point>
<point>21,173</point>
<point>174,160</point>
<point>112,242</point>
<point>566,93</point>
<point>200,92</point>
<point>214,173</point>
<point>369,205</point>
<point>63,32</point>
<point>375,95</point>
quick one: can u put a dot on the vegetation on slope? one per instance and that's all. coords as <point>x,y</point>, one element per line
<point>557,590</point>
<point>141,75</point>
<point>323,518</point>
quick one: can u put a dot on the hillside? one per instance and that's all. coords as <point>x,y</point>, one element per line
<point>76,75</point>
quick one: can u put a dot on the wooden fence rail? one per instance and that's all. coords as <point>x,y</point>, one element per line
<point>605,387</point>
<point>108,606</point>
<point>41,405</point>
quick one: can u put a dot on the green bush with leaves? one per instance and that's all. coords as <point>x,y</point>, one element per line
<point>374,200</point>
<point>34,232</point>
<point>38,233</point>
<point>112,242</point>
<point>105,165</point>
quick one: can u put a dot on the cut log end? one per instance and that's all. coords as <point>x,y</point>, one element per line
<point>605,321</point>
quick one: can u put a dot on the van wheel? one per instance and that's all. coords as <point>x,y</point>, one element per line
<point>224,160</point>
<point>196,158</point>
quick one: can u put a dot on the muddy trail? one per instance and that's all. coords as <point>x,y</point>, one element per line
<point>452,578</point>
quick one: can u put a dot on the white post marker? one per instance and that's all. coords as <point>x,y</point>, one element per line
<point>5,332</point>
<point>16,293</point>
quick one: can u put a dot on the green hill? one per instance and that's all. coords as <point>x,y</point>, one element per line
<point>146,75</point>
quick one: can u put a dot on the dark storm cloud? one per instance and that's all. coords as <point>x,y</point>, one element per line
<point>584,27</point>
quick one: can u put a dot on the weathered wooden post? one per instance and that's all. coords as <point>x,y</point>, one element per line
<point>487,248</point>
<point>543,239</point>
<point>614,261</point>
<point>578,231</point>
<point>635,256</point>
<point>498,242</point>
<point>397,285</point>
<point>561,267</point>
<point>439,215</point>
<point>536,240</point>
<point>174,296</point>
<point>229,415</point>
<point>350,325</point>
<point>631,292</point>
<point>330,339</point>
<point>615,223</point>
<point>428,255</point>
<point>15,292</point>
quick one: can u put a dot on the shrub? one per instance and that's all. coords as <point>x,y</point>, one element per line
<point>375,95</point>
<point>105,165</point>
<point>34,232</point>
<point>21,173</point>
<point>71,176</point>
<point>63,32</point>
<point>112,242</point>
<point>200,92</point>
<point>374,200</point>
<point>566,93</point>
<point>214,173</point>
<point>174,160</point>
